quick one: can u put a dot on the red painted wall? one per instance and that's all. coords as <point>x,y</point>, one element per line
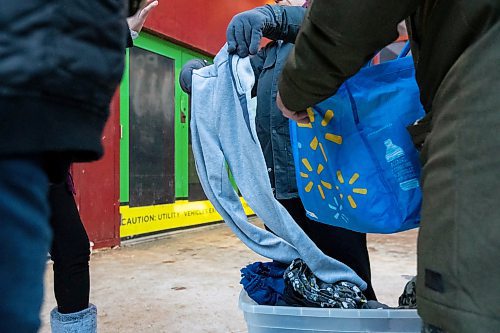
<point>97,186</point>
<point>198,24</point>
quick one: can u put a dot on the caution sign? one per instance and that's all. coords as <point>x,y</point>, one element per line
<point>141,220</point>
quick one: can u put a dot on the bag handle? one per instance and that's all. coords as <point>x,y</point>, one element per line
<point>405,50</point>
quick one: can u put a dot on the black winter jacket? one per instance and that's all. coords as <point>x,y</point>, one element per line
<point>60,63</point>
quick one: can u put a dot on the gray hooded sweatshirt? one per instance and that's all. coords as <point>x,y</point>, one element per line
<point>223,134</point>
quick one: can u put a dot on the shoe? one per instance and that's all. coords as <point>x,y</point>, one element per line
<point>84,321</point>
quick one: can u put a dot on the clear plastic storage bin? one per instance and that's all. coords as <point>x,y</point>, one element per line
<point>287,319</point>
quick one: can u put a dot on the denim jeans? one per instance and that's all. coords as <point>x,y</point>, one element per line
<point>223,130</point>
<point>24,239</point>
<point>263,282</point>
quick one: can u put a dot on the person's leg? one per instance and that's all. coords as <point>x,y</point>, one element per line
<point>70,251</point>
<point>24,238</point>
<point>344,245</point>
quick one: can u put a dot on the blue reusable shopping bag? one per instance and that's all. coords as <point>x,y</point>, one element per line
<point>356,165</point>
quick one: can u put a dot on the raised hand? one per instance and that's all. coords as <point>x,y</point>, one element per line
<point>136,21</point>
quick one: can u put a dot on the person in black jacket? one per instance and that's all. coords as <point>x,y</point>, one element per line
<point>60,63</point>
<point>70,244</point>
<point>283,22</point>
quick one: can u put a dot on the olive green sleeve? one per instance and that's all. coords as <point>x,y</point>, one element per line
<point>336,39</point>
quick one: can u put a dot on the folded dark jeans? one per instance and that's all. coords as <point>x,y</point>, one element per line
<point>264,282</point>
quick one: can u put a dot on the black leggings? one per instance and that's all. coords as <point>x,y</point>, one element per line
<point>70,251</point>
<point>346,246</point>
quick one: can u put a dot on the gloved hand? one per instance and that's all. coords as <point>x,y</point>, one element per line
<point>186,76</point>
<point>245,30</point>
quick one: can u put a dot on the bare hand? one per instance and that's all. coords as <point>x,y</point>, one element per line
<point>301,116</point>
<point>136,22</point>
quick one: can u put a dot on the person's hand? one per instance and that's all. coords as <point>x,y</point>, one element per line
<point>244,32</point>
<point>186,76</point>
<point>301,117</point>
<point>136,21</point>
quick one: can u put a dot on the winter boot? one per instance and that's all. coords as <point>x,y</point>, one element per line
<point>84,321</point>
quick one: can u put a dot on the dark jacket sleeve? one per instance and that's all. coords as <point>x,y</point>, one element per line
<point>336,39</point>
<point>130,41</point>
<point>287,22</point>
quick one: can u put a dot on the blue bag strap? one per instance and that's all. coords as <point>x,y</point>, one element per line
<point>405,50</point>
<point>354,107</point>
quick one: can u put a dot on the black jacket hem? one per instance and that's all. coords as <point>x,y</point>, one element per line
<point>38,125</point>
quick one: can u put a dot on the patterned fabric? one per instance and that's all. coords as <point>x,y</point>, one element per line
<point>302,288</point>
<point>408,300</point>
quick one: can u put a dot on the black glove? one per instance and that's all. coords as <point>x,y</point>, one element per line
<point>245,30</point>
<point>186,76</point>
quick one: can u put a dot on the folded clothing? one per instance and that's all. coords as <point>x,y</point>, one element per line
<point>263,282</point>
<point>408,299</point>
<point>303,288</point>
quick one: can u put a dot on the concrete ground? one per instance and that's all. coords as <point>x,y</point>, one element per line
<point>189,281</point>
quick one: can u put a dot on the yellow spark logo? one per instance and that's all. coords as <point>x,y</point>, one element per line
<point>310,184</point>
<point>328,136</point>
<point>357,190</point>
<point>313,176</point>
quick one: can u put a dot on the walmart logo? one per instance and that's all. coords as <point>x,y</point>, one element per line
<point>313,167</point>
